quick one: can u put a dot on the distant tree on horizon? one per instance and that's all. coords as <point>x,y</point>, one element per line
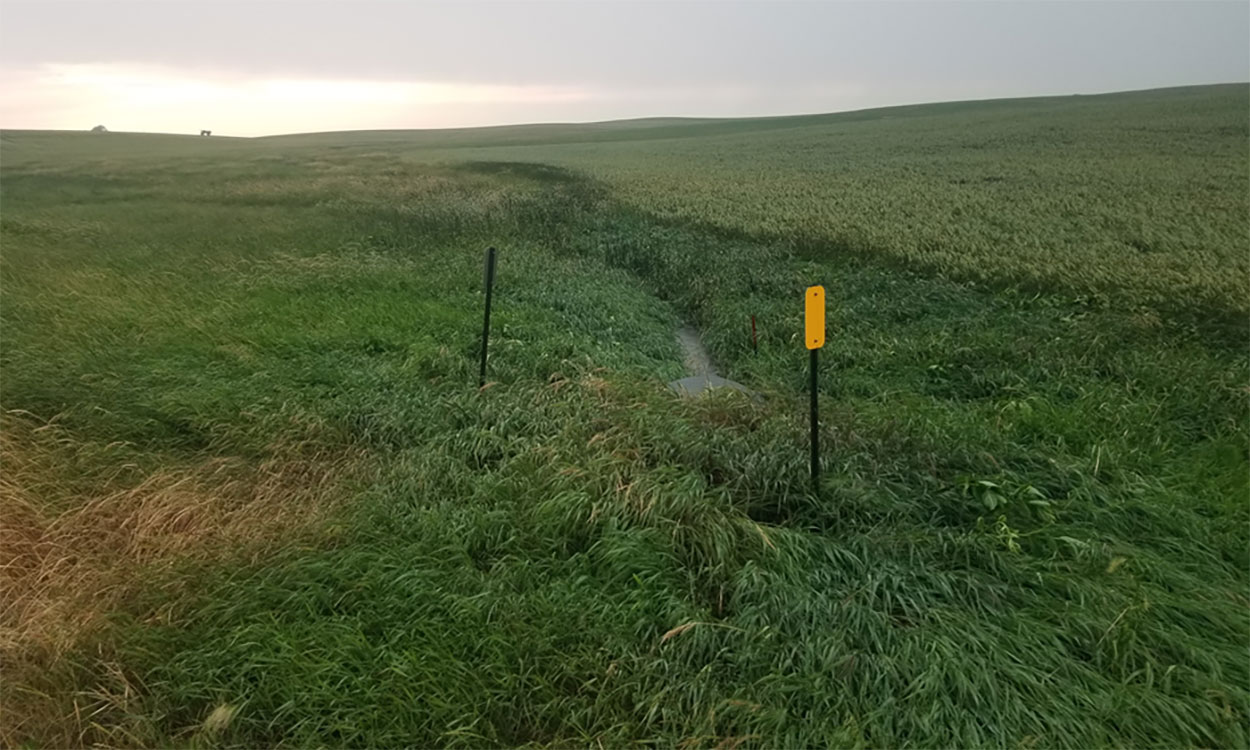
<point>99,129</point>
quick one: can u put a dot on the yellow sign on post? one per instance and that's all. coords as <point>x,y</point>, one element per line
<point>814,338</point>
<point>814,317</point>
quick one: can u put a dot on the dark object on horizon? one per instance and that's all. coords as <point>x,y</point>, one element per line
<point>206,132</point>
<point>99,129</point>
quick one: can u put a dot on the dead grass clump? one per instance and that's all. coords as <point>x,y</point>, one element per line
<point>67,556</point>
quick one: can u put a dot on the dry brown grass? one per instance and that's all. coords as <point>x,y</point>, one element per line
<point>68,555</point>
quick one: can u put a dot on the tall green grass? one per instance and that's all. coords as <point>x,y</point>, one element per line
<point>1139,197</point>
<point>1031,528</point>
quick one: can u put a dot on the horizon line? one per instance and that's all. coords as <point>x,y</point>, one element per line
<point>646,118</point>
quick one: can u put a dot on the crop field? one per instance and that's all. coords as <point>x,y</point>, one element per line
<point>251,494</point>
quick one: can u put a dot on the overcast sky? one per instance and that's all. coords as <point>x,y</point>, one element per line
<point>254,68</point>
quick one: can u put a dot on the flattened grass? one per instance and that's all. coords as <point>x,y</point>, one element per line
<point>80,534</point>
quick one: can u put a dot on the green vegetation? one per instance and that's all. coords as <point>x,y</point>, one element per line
<point>1139,196</point>
<point>252,495</point>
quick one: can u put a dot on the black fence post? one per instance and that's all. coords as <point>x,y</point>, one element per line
<point>489,278</point>
<point>815,428</point>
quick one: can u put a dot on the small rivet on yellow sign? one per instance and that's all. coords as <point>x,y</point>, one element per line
<point>814,317</point>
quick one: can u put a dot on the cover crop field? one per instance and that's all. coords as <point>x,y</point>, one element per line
<point>252,496</point>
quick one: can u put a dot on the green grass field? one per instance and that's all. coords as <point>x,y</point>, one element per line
<point>252,495</point>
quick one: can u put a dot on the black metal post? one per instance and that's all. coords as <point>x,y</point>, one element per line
<point>489,279</point>
<point>815,429</point>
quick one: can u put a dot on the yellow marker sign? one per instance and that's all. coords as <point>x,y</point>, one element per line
<point>814,317</point>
